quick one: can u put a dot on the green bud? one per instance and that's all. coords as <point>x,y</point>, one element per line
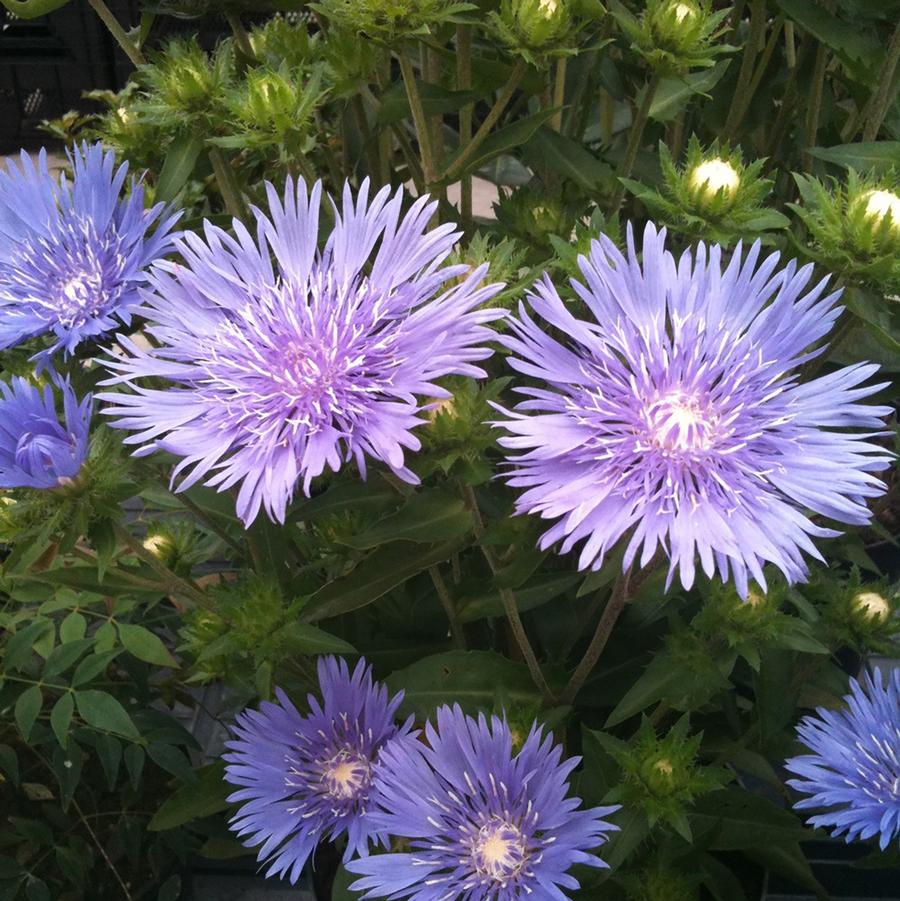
<point>854,227</point>
<point>714,196</point>
<point>675,35</point>
<point>533,27</point>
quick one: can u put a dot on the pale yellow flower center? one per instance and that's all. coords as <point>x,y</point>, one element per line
<point>499,850</point>
<point>548,7</point>
<point>664,767</point>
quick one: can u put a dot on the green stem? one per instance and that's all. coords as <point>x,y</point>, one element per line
<point>420,121</point>
<point>884,93</point>
<point>241,38</point>
<point>815,103</point>
<point>621,595</point>
<point>100,847</point>
<point>228,184</point>
<point>132,51</point>
<point>741,99</point>
<point>508,599</point>
<point>459,164</point>
<point>464,83</point>
<point>559,93</point>
<point>371,147</point>
<point>634,140</point>
<point>456,627</point>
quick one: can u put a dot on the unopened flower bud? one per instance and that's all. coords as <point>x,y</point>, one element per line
<point>714,176</point>
<point>872,606</point>
<point>880,205</point>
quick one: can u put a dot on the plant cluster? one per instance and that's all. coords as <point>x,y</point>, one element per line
<point>422,545</point>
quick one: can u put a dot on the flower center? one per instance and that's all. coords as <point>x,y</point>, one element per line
<point>346,774</point>
<point>677,423</point>
<point>499,851</point>
<point>79,295</point>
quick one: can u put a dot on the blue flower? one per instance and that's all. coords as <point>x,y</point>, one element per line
<point>676,418</point>
<point>36,449</point>
<point>277,372</point>
<point>482,823</point>
<point>308,778</point>
<point>73,255</point>
<point>853,770</point>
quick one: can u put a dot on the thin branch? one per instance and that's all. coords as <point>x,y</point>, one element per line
<point>423,131</point>
<point>102,850</point>
<point>459,164</point>
<point>456,627</point>
<point>621,595</point>
<point>885,93</point>
<point>634,140</point>
<point>132,51</point>
<point>509,601</point>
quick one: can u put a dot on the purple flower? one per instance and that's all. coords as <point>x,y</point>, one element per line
<point>677,415</point>
<point>853,770</point>
<point>72,255</point>
<point>36,449</point>
<point>308,778</point>
<point>278,372</point>
<point>483,823</point>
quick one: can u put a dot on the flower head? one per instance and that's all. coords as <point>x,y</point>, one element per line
<point>36,449</point>
<point>308,778</point>
<point>678,416</point>
<point>278,372</point>
<point>482,823</point>
<point>852,772</point>
<point>73,254</point>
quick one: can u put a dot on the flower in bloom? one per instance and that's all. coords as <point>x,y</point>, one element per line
<point>852,772</point>
<point>73,254</point>
<point>308,778</point>
<point>36,449</point>
<point>279,371</point>
<point>678,416</point>
<point>482,823</point>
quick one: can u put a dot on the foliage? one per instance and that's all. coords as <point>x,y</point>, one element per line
<point>128,611</point>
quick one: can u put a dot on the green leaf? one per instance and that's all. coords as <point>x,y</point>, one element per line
<point>31,9</point>
<point>202,798</point>
<point>674,94</point>
<point>85,578</point>
<point>181,159</point>
<point>340,890</point>
<point>722,884</point>
<point>302,638</point>
<point>345,496</point>
<point>865,156</point>
<point>73,627</point>
<point>550,150</point>
<point>172,760</point>
<point>102,535</point>
<point>732,819</point>
<point>540,590</point>
<point>473,679</point>
<point>374,576</point>
<point>436,101</point>
<point>9,763</point>
<point>19,648</point>
<point>504,140</point>
<point>426,517</point>
<point>28,706</point>
<point>788,860</point>
<point>145,645</point>
<point>92,666</point>
<point>61,717</point>
<point>102,711</point>
<point>858,49</point>
<point>134,763</point>
<point>65,655</point>
<point>170,890</point>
